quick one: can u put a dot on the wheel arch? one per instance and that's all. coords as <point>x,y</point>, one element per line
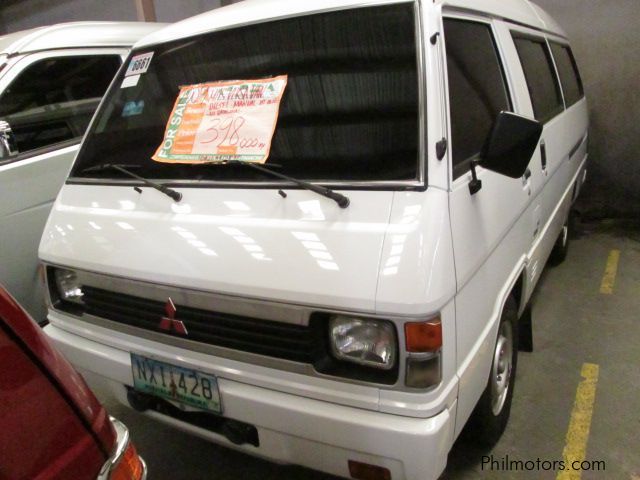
<point>525,326</point>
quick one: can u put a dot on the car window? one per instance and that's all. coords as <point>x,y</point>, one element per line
<point>53,99</point>
<point>350,110</point>
<point>542,82</point>
<point>477,88</point>
<point>569,74</point>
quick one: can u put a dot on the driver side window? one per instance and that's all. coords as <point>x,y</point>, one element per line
<point>477,88</point>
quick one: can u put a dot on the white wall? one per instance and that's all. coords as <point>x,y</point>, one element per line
<point>18,15</point>
<point>171,11</point>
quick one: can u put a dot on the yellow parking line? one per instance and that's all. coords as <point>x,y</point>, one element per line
<point>575,448</point>
<point>609,277</point>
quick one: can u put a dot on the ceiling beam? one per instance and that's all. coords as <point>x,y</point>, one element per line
<point>146,10</point>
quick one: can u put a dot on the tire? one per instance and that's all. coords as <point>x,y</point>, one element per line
<point>490,416</point>
<point>561,247</point>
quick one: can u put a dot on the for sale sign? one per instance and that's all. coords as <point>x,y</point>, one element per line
<point>223,121</point>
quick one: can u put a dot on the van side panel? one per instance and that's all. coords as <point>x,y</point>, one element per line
<point>563,135</point>
<point>491,232</point>
<point>508,227</point>
<point>488,264</point>
<point>522,105</point>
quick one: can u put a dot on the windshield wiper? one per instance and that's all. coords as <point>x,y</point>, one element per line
<point>341,200</point>
<point>170,192</point>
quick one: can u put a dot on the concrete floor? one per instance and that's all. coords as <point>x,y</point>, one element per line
<point>573,324</point>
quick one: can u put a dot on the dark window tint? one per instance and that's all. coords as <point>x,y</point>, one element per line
<point>349,111</point>
<point>568,71</point>
<point>542,82</point>
<point>477,90</point>
<point>54,99</point>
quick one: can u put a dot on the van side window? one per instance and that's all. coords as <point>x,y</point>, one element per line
<point>569,74</point>
<point>477,88</point>
<point>53,99</point>
<point>539,72</point>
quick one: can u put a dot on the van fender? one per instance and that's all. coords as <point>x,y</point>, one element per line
<point>478,361</point>
<point>515,285</point>
<point>525,326</point>
<point>525,330</point>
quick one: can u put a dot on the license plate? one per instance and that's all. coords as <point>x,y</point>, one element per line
<point>178,384</point>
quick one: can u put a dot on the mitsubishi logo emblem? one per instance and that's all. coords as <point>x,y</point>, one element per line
<point>169,323</point>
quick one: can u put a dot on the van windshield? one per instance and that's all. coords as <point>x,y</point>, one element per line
<point>349,113</point>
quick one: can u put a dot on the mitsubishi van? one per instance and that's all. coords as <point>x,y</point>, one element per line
<point>310,231</point>
<point>51,82</point>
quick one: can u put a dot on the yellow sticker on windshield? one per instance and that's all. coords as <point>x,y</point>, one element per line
<point>223,121</point>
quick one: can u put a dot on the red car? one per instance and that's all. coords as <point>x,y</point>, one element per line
<point>51,425</point>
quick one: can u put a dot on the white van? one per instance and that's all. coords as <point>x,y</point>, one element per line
<point>348,304</point>
<point>51,81</point>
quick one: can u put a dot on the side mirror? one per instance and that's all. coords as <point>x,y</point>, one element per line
<point>509,147</point>
<point>511,144</point>
<point>8,145</point>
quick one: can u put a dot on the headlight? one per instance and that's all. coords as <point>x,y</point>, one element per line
<point>69,289</point>
<point>366,342</point>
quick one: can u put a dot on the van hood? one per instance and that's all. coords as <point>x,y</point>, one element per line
<point>302,249</point>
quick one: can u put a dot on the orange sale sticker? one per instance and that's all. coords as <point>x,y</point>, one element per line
<point>223,121</point>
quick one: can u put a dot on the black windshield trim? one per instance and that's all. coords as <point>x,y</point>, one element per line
<point>410,185</point>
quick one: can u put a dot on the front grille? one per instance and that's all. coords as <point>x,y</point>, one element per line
<point>263,337</point>
<point>304,344</point>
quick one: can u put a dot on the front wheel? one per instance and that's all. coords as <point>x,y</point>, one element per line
<point>490,417</point>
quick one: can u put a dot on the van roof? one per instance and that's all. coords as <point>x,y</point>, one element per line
<point>76,34</point>
<point>519,11</point>
<point>254,11</point>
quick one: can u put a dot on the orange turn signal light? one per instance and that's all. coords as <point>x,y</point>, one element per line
<point>130,467</point>
<point>422,337</point>
<point>365,471</point>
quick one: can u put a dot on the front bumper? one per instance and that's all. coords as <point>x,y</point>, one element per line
<point>292,429</point>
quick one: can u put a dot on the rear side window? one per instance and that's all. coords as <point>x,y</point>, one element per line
<point>568,71</point>
<point>53,100</point>
<point>477,89</point>
<point>542,82</point>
